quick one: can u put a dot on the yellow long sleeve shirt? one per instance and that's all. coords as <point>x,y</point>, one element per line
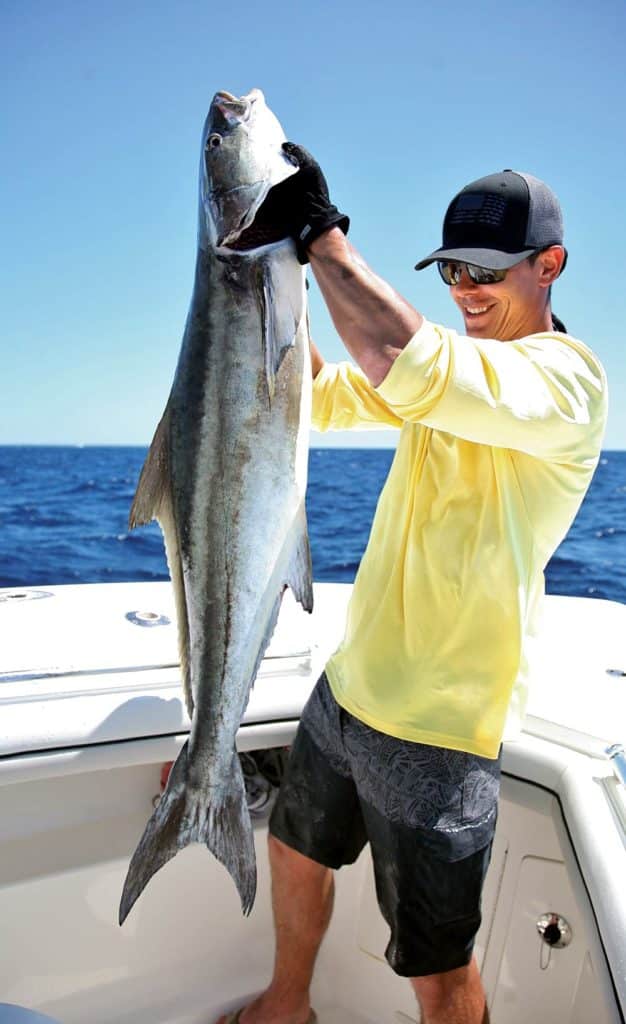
<point>498,445</point>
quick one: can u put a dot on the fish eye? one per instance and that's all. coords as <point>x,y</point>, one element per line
<point>214,140</point>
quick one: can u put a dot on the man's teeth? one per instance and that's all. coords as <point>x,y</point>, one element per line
<point>476,309</point>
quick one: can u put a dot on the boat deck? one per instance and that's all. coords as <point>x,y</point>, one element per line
<point>82,741</point>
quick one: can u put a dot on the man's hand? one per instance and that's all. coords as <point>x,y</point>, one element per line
<point>305,202</point>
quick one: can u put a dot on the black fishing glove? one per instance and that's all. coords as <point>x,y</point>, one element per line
<point>307,206</point>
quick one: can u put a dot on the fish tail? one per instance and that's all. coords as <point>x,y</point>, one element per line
<point>183,817</point>
<point>230,837</point>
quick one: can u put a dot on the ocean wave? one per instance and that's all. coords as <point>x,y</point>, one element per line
<point>64,519</point>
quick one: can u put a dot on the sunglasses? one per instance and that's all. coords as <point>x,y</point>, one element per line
<point>451,271</point>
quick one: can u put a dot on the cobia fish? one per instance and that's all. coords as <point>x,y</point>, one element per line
<point>226,477</point>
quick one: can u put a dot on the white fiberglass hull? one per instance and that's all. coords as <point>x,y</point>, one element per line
<point>74,801</point>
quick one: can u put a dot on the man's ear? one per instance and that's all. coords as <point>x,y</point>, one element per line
<point>550,263</point>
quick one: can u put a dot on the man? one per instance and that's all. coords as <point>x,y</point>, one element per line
<point>399,745</point>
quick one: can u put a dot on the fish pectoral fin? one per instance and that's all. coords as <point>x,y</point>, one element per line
<point>280,324</point>
<point>154,480</point>
<point>300,573</point>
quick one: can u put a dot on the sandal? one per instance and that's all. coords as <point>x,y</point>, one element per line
<point>234,1018</point>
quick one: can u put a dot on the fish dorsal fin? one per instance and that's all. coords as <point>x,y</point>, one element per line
<point>154,480</point>
<point>167,523</point>
<point>153,500</point>
<point>283,309</point>
<point>300,573</point>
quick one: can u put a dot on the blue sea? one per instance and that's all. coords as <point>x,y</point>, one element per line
<point>64,510</point>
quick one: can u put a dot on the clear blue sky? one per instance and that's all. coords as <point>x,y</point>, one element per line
<point>402,103</point>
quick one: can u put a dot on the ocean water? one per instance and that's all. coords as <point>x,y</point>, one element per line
<point>64,510</point>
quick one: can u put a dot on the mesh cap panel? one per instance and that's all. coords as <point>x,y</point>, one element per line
<point>545,220</point>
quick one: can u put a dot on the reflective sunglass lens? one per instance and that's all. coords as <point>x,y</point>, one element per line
<point>483,275</point>
<point>452,272</point>
<point>449,272</point>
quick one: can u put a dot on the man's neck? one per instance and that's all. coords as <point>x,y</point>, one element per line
<point>539,324</point>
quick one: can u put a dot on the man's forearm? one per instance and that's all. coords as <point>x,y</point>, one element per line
<point>317,360</point>
<point>374,322</point>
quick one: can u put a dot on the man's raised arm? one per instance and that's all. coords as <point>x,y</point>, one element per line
<point>317,359</point>
<point>374,322</point>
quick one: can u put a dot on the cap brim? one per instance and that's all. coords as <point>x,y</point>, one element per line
<point>491,259</point>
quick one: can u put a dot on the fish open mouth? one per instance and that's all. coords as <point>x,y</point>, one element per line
<point>269,225</point>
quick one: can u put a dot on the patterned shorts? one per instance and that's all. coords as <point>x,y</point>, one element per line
<point>428,813</point>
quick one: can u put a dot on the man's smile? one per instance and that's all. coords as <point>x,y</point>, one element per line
<point>475,310</point>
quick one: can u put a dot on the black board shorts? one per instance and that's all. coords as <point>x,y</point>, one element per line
<point>429,816</point>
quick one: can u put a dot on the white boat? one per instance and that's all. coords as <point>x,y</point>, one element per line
<point>91,708</point>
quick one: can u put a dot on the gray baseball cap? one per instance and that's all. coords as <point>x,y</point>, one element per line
<point>498,221</point>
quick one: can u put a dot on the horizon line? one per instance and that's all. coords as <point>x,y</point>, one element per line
<point>125,444</point>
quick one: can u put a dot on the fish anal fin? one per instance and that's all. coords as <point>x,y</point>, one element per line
<point>154,479</point>
<point>295,573</point>
<point>299,575</point>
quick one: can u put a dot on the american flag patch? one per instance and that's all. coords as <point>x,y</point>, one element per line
<point>478,208</point>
